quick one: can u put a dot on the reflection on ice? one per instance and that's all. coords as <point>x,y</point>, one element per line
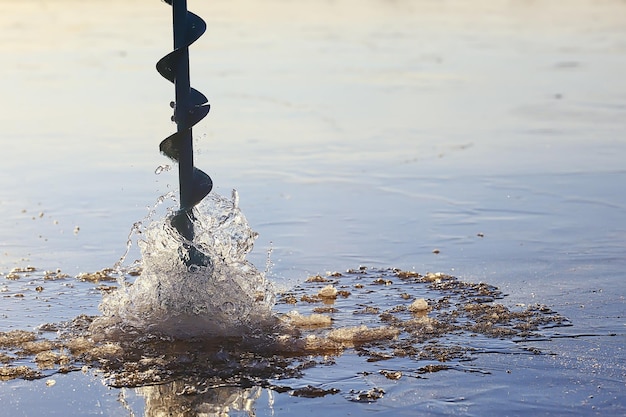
<point>179,398</point>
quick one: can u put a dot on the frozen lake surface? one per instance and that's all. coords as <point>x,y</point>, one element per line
<point>481,139</point>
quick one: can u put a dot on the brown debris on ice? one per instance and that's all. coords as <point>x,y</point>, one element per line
<point>328,292</point>
<point>13,372</point>
<point>389,314</point>
<point>350,336</point>
<point>419,306</point>
<point>16,338</point>
<point>306,322</point>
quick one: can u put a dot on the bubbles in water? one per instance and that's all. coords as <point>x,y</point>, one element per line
<point>222,297</point>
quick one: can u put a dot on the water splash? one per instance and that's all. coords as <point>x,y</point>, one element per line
<point>223,297</point>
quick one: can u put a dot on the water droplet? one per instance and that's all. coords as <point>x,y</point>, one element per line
<point>162,168</point>
<point>235,198</point>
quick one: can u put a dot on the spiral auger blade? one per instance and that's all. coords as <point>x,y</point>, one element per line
<point>190,106</point>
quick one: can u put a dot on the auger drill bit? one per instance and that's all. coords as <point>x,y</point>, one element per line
<point>190,106</point>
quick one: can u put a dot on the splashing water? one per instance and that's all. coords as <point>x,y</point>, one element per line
<point>223,297</point>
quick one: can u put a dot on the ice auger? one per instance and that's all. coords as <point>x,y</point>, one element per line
<point>190,106</point>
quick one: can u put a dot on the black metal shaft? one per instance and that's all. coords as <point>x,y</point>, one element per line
<point>190,107</point>
<point>183,105</point>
